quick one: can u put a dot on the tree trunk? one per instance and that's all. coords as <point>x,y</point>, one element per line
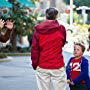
<point>21,39</point>
<point>13,41</point>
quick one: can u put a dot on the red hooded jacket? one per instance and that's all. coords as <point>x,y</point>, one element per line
<point>48,39</point>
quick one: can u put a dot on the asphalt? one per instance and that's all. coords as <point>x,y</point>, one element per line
<point>17,74</point>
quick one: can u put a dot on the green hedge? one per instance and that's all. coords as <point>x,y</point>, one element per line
<point>3,55</point>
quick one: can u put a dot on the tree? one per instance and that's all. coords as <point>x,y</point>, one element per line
<point>22,21</point>
<point>79,2</point>
<point>84,3</point>
<point>35,0</point>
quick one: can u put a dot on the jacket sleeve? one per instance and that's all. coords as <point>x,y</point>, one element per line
<point>35,50</point>
<point>84,71</point>
<point>68,69</point>
<point>5,37</point>
<point>63,30</point>
<point>88,83</point>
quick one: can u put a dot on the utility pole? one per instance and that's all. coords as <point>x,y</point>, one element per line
<point>52,3</point>
<point>71,14</point>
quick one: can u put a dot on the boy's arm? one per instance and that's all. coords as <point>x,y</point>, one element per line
<point>84,72</point>
<point>68,69</point>
<point>35,50</point>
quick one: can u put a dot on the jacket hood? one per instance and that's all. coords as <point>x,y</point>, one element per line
<point>48,26</point>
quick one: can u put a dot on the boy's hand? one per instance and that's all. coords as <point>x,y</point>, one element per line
<point>72,83</point>
<point>68,81</point>
<point>9,24</point>
<point>1,23</point>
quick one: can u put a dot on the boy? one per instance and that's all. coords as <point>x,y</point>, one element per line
<point>77,70</point>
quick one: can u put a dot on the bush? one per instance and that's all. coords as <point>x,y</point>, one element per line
<point>2,55</point>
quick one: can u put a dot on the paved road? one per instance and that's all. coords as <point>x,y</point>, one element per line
<point>18,74</point>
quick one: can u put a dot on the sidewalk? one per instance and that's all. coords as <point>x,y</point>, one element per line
<point>87,53</point>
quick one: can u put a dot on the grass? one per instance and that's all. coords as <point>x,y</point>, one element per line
<point>17,54</point>
<point>4,60</point>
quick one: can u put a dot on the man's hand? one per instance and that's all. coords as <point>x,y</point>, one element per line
<point>1,23</point>
<point>9,24</point>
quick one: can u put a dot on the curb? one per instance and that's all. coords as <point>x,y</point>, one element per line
<point>6,59</point>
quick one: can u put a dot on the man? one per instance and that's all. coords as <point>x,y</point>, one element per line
<point>46,52</point>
